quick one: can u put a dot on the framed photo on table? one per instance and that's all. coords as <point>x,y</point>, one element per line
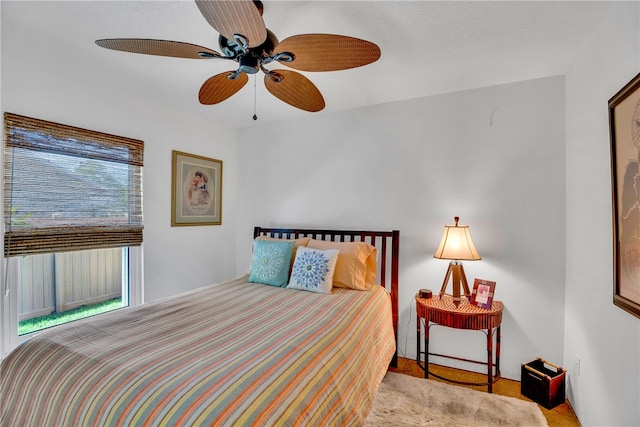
<point>196,190</point>
<point>624,131</point>
<point>482,294</point>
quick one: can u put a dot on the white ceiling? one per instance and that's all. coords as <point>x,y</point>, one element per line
<point>428,47</point>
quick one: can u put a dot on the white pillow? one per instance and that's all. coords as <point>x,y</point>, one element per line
<point>313,270</point>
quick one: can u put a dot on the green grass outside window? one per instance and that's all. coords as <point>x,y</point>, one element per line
<point>37,323</point>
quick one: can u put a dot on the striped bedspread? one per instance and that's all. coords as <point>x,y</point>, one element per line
<point>233,353</point>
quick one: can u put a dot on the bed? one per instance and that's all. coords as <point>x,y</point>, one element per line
<point>232,353</point>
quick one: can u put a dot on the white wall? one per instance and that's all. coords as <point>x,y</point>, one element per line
<point>493,156</point>
<point>92,95</point>
<point>604,337</point>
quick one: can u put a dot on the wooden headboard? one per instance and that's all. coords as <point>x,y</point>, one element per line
<point>387,242</point>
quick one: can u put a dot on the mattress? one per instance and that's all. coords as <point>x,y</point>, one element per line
<point>233,353</point>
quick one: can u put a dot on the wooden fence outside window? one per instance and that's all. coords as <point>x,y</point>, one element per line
<point>63,281</point>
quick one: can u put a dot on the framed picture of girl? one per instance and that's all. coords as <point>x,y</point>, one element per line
<point>196,190</point>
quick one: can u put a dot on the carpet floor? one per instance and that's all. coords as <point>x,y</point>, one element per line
<point>403,400</point>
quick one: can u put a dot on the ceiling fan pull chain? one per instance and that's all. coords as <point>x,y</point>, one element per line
<point>255,97</point>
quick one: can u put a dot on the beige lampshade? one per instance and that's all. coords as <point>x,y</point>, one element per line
<point>456,244</point>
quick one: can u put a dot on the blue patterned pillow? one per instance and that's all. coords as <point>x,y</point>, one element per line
<point>270,262</point>
<point>313,270</point>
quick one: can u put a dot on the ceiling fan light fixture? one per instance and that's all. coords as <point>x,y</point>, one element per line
<point>248,64</point>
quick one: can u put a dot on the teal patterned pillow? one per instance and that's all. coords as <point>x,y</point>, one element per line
<point>270,262</point>
<point>313,270</point>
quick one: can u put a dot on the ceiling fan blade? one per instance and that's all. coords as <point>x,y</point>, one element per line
<point>328,52</point>
<point>159,47</point>
<point>295,89</point>
<point>235,17</point>
<point>219,87</point>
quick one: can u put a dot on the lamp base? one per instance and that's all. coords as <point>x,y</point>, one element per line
<point>456,270</point>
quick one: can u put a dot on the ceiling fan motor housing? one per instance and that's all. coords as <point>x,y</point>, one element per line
<point>249,59</point>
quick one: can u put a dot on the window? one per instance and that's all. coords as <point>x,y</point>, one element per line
<point>70,196</point>
<point>61,287</point>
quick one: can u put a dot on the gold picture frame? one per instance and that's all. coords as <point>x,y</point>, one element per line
<point>624,129</point>
<point>196,190</point>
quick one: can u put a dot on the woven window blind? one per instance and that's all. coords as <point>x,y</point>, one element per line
<point>68,189</point>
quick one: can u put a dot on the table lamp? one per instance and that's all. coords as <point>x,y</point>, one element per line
<point>456,245</point>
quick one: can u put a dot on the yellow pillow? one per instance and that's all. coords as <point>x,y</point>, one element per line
<point>302,241</point>
<point>357,263</point>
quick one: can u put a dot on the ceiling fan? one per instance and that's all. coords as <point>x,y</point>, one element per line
<point>245,39</point>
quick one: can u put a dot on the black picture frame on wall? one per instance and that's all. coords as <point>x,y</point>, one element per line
<point>624,130</point>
